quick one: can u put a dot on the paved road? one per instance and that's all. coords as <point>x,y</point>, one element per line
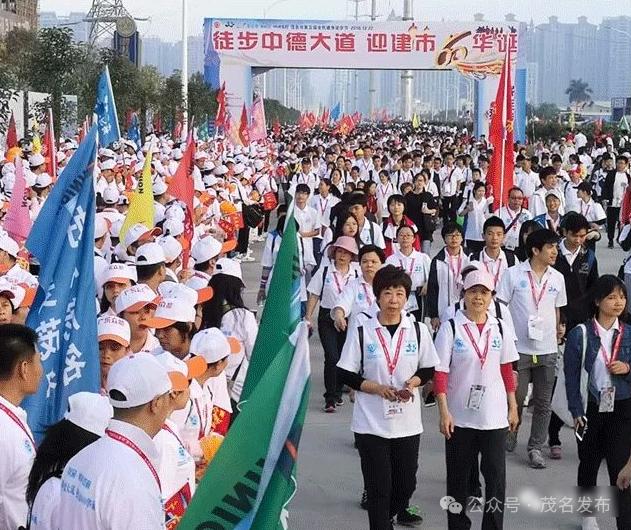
<point>329,476</point>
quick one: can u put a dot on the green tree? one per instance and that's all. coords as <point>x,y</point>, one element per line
<point>201,98</point>
<point>275,111</point>
<point>171,99</point>
<point>547,112</point>
<point>578,91</point>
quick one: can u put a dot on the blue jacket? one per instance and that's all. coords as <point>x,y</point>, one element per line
<point>572,367</point>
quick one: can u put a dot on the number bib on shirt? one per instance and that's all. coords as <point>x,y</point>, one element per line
<point>392,409</point>
<point>607,399</point>
<point>476,393</point>
<point>535,328</point>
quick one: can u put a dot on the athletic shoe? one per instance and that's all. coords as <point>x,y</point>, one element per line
<point>329,408</point>
<point>536,459</point>
<point>248,258</point>
<point>430,400</point>
<point>511,441</point>
<point>555,452</point>
<point>363,503</point>
<point>409,517</point>
<point>339,402</point>
<point>590,523</point>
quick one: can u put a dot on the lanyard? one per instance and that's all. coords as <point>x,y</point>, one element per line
<point>337,282</point>
<point>384,189</point>
<point>127,442</point>
<point>368,299</point>
<point>615,349</point>
<point>536,298</point>
<point>481,354</point>
<point>411,266</point>
<point>392,363</point>
<point>168,429</point>
<point>202,424</point>
<point>497,273</point>
<point>586,210</point>
<point>454,271</point>
<point>18,422</point>
<point>325,205</point>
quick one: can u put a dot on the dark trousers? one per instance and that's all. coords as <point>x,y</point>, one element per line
<point>243,239</point>
<point>608,436</point>
<point>449,208</point>
<point>461,450</point>
<point>613,217</point>
<point>332,343</point>
<point>389,467</point>
<point>265,224</point>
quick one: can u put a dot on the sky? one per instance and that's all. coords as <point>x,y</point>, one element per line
<point>165,15</point>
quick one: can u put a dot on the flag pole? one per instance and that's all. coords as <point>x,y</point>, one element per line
<point>504,129</point>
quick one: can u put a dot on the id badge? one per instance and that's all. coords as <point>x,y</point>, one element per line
<point>535,328</point>
<point>476,393</point>
<point>607,399</point>
<point>392,409</point>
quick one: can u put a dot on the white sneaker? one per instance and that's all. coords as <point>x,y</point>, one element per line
<point>248,258</point>
<point>590,523</point>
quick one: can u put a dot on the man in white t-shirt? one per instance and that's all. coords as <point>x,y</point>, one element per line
<point>114,482</point>
<point>513,216</point>
<point>20,374</point>
<point>535,293</point>
<point>309,223</point>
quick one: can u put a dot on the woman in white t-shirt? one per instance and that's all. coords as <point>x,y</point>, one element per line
<point>475,391</point>
<point>385,360</point>
<point>476,212</point>
<point>84,423</point>
<point>416,264</point>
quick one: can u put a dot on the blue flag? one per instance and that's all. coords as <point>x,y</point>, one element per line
<point>134,131</point>
<point>105,110</point>
<point>64,311</point>
<point>336,112</point>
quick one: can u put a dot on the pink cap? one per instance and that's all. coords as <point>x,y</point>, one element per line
<point>478,278</point>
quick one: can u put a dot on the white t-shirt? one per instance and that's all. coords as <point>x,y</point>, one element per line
<point>511,240</point>
<point>45,511</point>
<point>515,291</point>
<point>592,211</point>
<point>369,228</point>
<point>323,206</point>
<point>108,485</point>
<point>459,359</point>
<point>475,218</point>
<point>241,324</point>
<point>308,220</point>
<point>620,183</point>
<point>600,376</point>
<point>369,410</point>
<point>176,467</point>
<point>356,298</point>
<point>416,265</point>
<point>18,453</point>
<point>331,287</point>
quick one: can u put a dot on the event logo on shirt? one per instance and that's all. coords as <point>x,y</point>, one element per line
<point>411,347</point>
<point>28,446</point>
<point>360,296</point>
<point>523,284</point>
<point>496,344</point>
<point>372,350</point>
<point>552,290</point>
<point>459,345</point>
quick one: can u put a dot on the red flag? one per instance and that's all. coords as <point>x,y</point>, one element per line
<point>500,175</point>
<point>220,120</point>
<point>598,127</point>
<point>49,147</point>
<point>12,133</point>
<point>244,133</point>
<point>182,187</point>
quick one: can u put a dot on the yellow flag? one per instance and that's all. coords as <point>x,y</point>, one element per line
<point>415,121</point>
<point>141,200</point>
<point>37,142</point>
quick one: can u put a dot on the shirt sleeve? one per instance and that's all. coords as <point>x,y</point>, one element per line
<point>379,240</point>
<point>428,357</point>
<point>509,349</point>
<point>444,345</point>
<point>504,290</point>
<point>561,299</point>
<point>315,285</point>
<point>345,300</point>
<point>268,251</point>
<point>350,359</point>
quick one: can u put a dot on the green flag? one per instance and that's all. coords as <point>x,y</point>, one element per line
<point>281,313</point>
<point>623,125</point>
<point>252,477</point>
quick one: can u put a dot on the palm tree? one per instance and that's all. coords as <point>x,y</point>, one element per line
<point>579,91</point>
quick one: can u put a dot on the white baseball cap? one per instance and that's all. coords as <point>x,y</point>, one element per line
<point>213,345</point>
<point>139,232</point>
<point>229,267</point>
<point>43,180</point>
<point>187,293</point>
<point>13,292</point>
<point>135,380</point>
<point>207,248</point>
<point>110,195</point>
<point>159,187</point>
<point>172,310</point>
<point>36,160</point>
<point>173,227</point>
<point>149,254</point>
<point>134,298</point>
<point>478,277</point>
<point>92,412</point>
<point>9,245</point>
<point>102,225</point>
<point>181,372</point>
<point>110,327</point>
<point>171,247</point>
<point>110,163</point>
<point>119,273</point>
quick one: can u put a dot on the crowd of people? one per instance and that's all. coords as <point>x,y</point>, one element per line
<point>506,310</point>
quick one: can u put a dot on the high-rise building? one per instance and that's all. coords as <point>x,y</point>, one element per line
<point>74,21</point>
<point>615,41</point>
<point>17,14</point>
